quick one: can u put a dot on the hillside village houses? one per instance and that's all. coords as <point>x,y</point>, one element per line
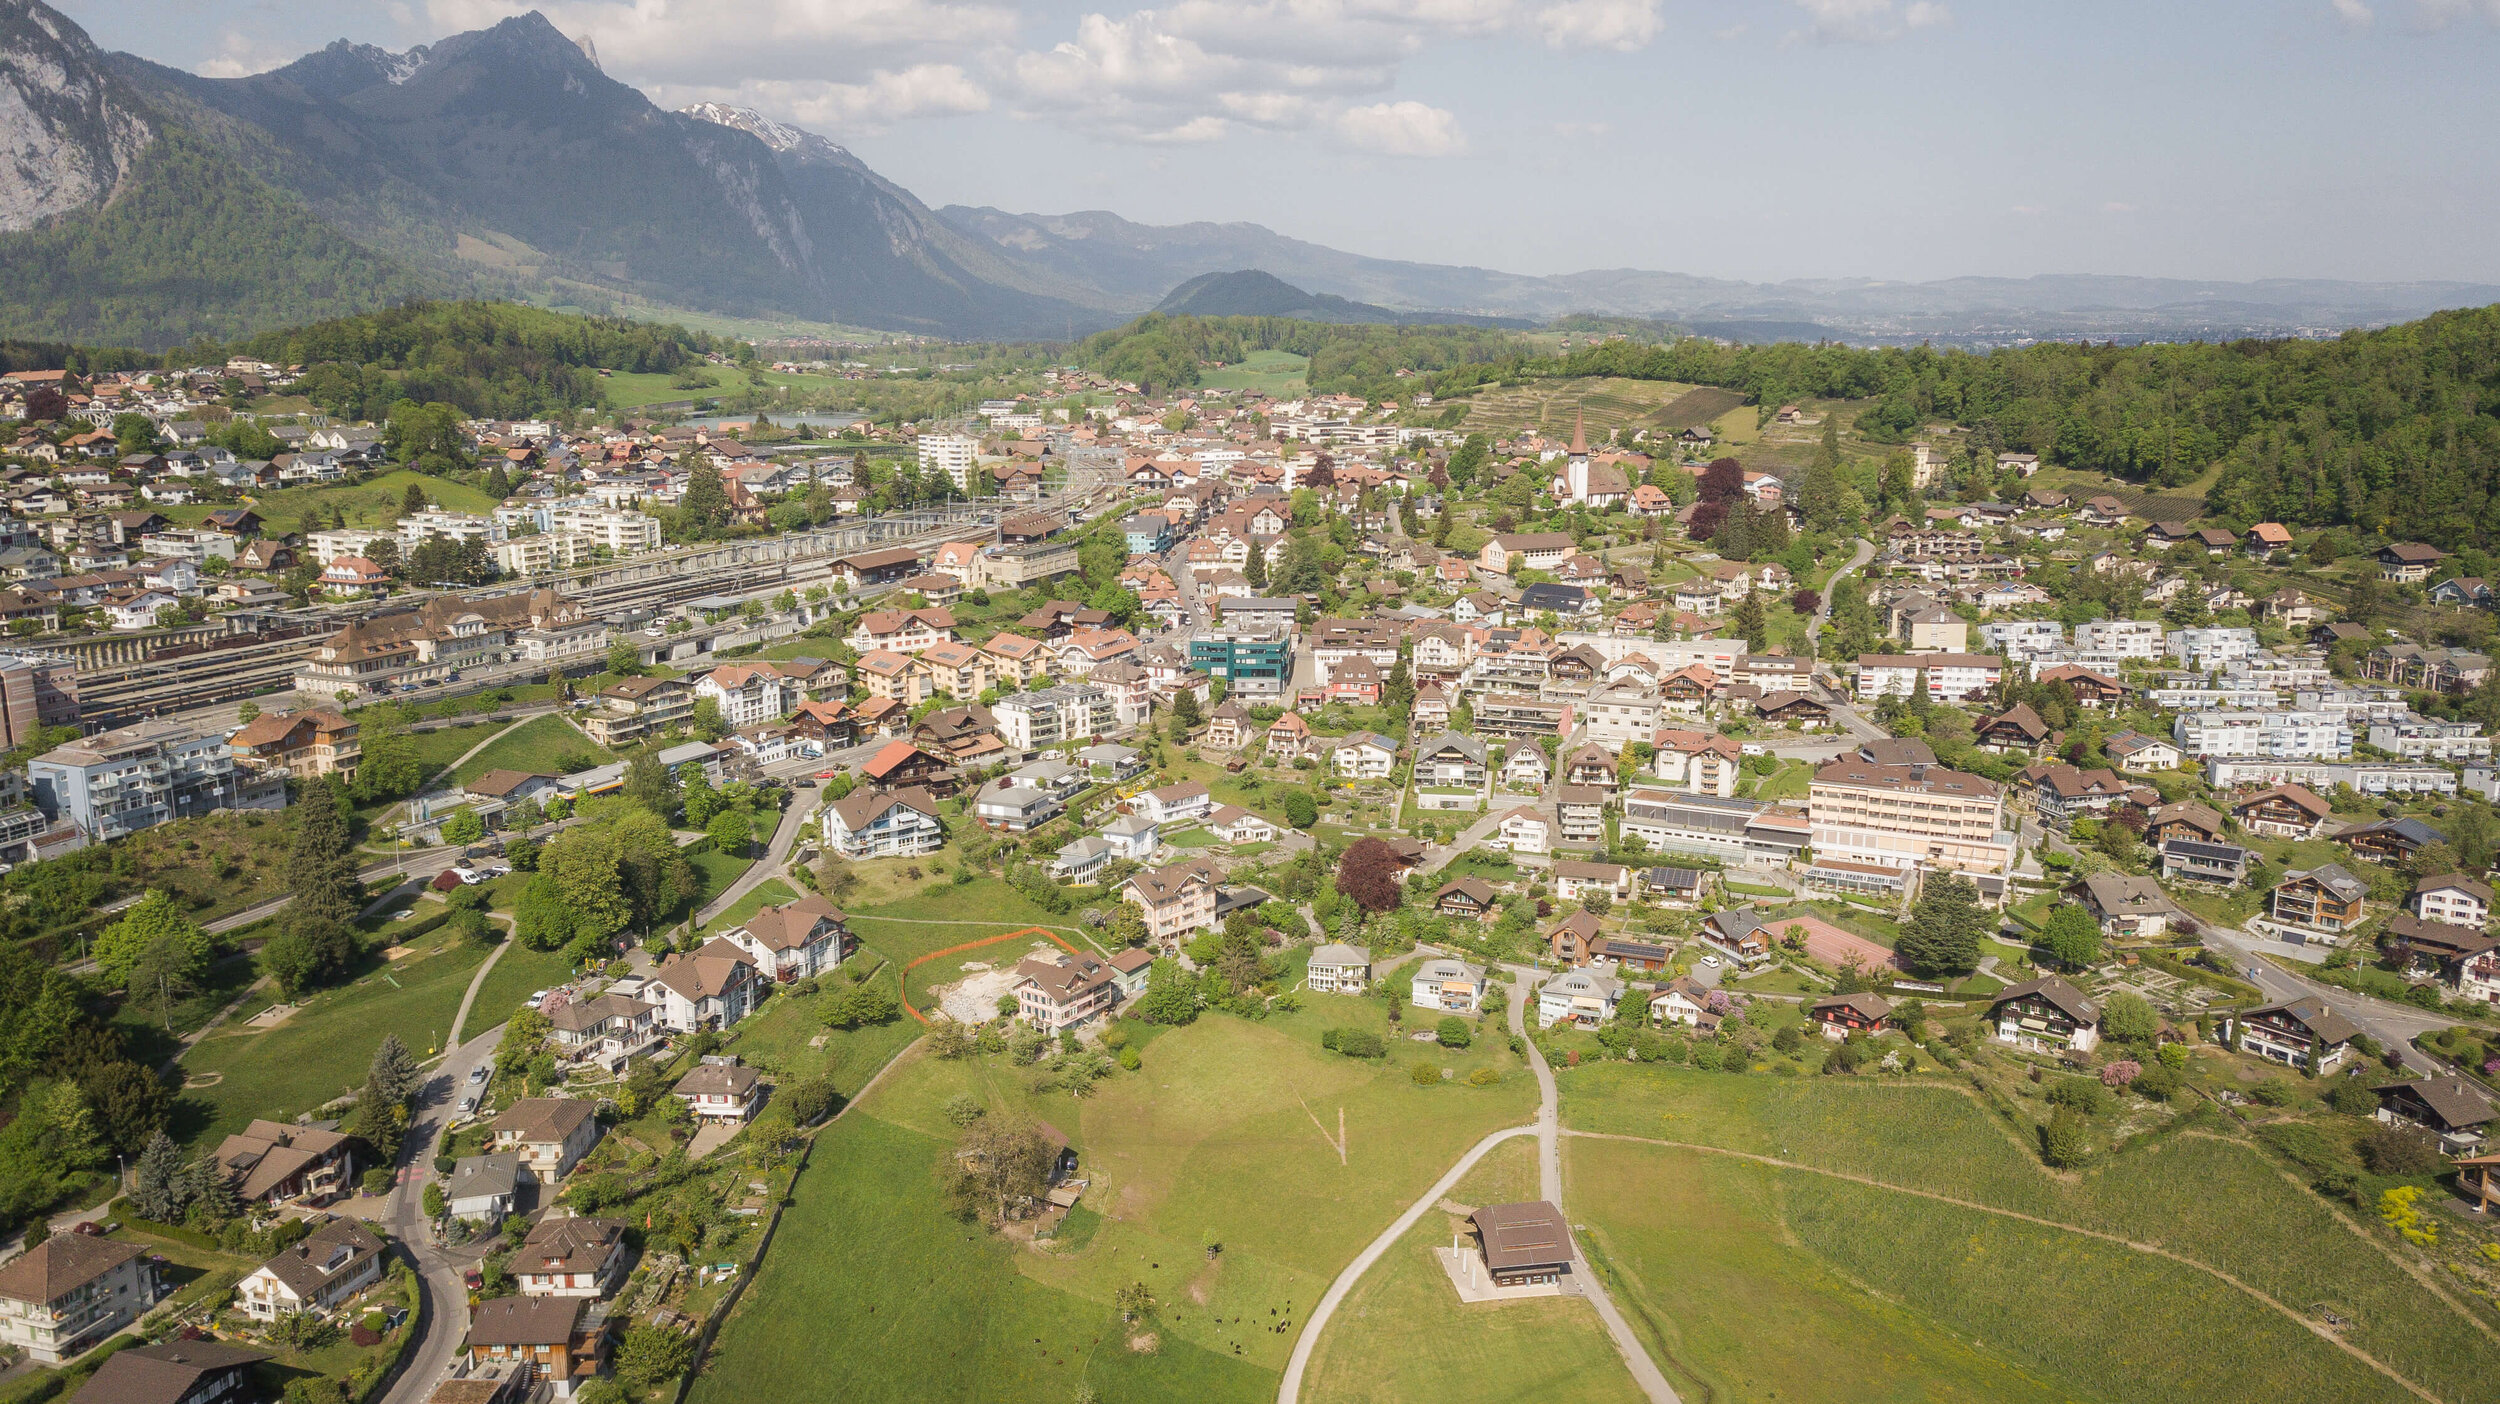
<point>1576,677</point>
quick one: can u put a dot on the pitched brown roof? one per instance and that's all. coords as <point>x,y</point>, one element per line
<point>162,1374</point>
<point>517,1321</point>
<point>1523,1235</point>
<point>61,1264</point>
<point>788,926</point>
<point>703,973</point>
<point>544,1120</point>
<point>339,1247</point>
<point>569,1245</point>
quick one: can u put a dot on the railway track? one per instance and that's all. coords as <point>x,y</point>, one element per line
<point>122,693</point>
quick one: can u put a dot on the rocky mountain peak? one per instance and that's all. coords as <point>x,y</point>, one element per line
<point>68,130</point>
<point>780,136</point>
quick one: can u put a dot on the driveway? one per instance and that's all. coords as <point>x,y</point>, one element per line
<point>1495,812</point>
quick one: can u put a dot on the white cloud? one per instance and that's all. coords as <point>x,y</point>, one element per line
<point>240,57</point>
<point>883,98</point>
<point>696,42</point>
<point>1401,129</point>
<point>2433,15</point>
<point>1621,25</point>
<point>1197,69</point>
<point>1867,21</point>
<point>2354,13</point>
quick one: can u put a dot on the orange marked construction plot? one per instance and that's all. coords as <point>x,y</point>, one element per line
<point>904,985</point>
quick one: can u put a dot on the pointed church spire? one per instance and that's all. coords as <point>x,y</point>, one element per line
<point>1579,436</point>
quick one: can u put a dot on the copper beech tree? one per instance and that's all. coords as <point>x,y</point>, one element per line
<point>1368,874</point>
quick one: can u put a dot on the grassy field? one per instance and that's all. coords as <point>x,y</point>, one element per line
<point>1268,372</point>
<point>634,389</point>
<point>2119,1324</point>
<point>321,1051</point>
<point>927,1310</point>
<point>1217,1141</point>
<point>1403,1334</point>
<point>520,973</point>
<point>374,502</point>
<point>1604,403</point>
<point>547,745</point>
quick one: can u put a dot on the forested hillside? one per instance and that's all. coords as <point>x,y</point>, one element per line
<point>1162,352</point>
<point>493,359</point>
<point>191,243</point>
<point>2394,431</point>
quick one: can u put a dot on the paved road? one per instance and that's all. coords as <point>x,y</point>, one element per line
<point>2394,1025</point>
<point>775,856</point>
<point>443,1316</point>
<point>1645,1371</point>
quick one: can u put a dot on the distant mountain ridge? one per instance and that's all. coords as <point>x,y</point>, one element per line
<point>1251,292</point>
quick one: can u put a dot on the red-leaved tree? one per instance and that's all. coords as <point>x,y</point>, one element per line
<point>1805,602</point>
<point>1723,479</point>
<point>1368,874</point>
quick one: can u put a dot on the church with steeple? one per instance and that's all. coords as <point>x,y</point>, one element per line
<point>1594,485</point>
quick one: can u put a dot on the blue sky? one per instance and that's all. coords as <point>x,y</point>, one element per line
<point>1758,139</point>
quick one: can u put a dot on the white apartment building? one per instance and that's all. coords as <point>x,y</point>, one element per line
<point>1033,721</point>
<point>1951,677</point>
<point>2022,638</point>
<point>2209,650</point>
<point>2210,699</point>
<point>2123,638</point>
<point>327,546</point>
<point>2455,899</point>
<point>455,526</point>
<point>2367,777</point>
<point>2275,670</point>
<point>2426,738</point>
<point>955,455</point>
<point>2285,735</point>
<point>1620,713</point>
<point>747,694</point>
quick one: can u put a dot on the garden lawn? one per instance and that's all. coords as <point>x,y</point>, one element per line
<point>375,502</point>
<point>541,746</point>
<point>947,914</point>
<point>782,1038</point>
<point>716,871</point>
<point>519,974</point>
<point>434,750</point>
<point>2119,1324</point>
<point>772,892</point>
<point>322,1050</point>
<point>1402,1333</point>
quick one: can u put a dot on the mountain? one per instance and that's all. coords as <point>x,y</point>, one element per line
<point>500,162</point>
<point>1137,261</point>
<point>1252,292</point>
<point>68,133</point>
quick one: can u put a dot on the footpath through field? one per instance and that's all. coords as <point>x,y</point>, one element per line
<point>2316,1328</point>
<point>1645,1372</point>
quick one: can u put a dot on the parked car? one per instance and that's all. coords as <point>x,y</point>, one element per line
<point>468,1104</point>
<point>478,1073</point>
